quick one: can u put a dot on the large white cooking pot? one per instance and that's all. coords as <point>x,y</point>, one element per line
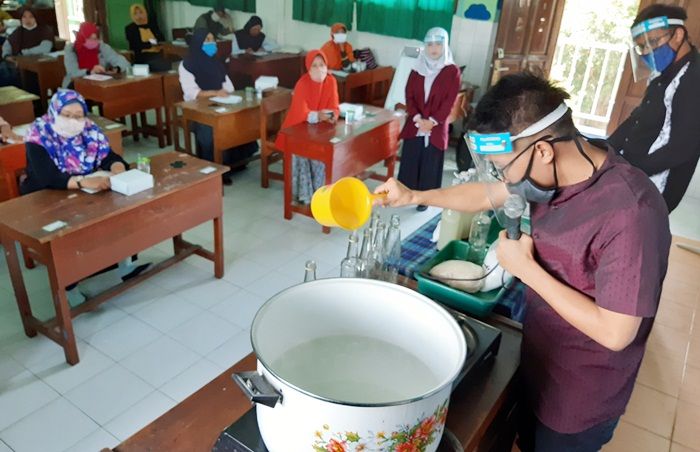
<point>353,364</point>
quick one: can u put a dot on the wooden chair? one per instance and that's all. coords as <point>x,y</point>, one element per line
<point>13,162</point>
<point>358,88</point>
<point>381,82</point>
<point>180,33</point>
<point>273,109</point>
<point>172,94</point>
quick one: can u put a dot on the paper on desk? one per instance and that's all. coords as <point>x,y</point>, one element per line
<point>92,191</point>
<point>228,100</point>
<point>56,54</point>
<point>98,77</point>
<point>260,53</point>
<point>335,140</point>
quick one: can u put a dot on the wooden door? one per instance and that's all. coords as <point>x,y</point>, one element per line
<point>630,94</point>
<point>527,36</point>
<point>96,12</point>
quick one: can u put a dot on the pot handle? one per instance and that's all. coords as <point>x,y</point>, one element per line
<point>257,388</point>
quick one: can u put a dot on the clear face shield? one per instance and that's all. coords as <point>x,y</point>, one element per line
<point>649,52</point>
<point>493,155</point>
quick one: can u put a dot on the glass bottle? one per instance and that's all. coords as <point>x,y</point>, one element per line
<point>450,224</point>
<point>467,217</point>
<point>478,237</point>
<point>376,260</point>
<point>373,224</point>
<point>363,263</point>
<point>349,265</point>
<point>393,250</point>
<point>310,271</point>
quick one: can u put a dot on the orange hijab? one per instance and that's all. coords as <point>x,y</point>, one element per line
<point>332,50</point>
<point>310,96</point>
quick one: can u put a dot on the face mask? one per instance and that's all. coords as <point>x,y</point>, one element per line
<point>340,38</point>
<point>92,44</point>
<point>318,75</point>
<point>215,16</point>
<point>29,28</point>
<point>209,48</point>
<point>661,58</point>
<point>530,190</point>
<point>68,127</point>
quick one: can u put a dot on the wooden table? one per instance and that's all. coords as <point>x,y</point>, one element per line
<point>359,146</point>
<point>360,87</point>
<point>49,72</point>
<point>126,96</point>
<point>244,69</point>
<point>105,228</point>
<point>233,125</point>
<point>478,411</point>
<point>16,105</point>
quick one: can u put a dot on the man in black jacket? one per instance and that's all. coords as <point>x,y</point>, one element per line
<point>662,135</point>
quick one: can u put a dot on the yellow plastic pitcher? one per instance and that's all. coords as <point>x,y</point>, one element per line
<point>346,204</point>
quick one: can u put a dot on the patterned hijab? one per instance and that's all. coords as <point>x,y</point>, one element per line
<point>81,154</point>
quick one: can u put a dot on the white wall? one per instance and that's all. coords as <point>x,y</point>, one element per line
<point>471,40</point>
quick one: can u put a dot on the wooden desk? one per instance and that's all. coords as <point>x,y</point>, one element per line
<point>196,422</point>
<point>244,69</point>
<point>123,225</point>
<point>16,105</point>
<point>364,87</point>
<point>237,125</point>
<point>49,72</point>
<point>126,96</point>
<point>362,144</point>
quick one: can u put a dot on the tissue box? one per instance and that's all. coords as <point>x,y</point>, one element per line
<point>131,182</point>
<point>345,107</point>
<point>140,70</point>
<point>266,82</point>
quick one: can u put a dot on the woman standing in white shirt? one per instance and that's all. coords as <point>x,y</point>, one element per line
<point>202,75</point>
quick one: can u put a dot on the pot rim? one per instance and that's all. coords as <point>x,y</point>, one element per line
<point>441,310</point>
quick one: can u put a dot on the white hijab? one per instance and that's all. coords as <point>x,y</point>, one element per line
<point>426,66</point>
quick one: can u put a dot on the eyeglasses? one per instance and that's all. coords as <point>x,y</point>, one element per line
<point>652,44</point>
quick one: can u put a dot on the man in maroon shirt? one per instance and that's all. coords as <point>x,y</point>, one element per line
<point>594,265</point>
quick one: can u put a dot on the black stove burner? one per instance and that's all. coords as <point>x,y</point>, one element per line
<point>483,342</point>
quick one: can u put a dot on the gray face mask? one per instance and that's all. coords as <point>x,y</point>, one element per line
<point>531,190</point>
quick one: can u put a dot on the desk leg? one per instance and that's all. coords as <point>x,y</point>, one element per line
<point>168,127</point>
<point>134,127</point>
<point>390,166</point>
<point>188,138</point>
<point>25,310</point>
<point>159,127</point>
<point>218,151</point>
<point>288,185</point>
<point>218,247</point>
<point>63,318</point>
<point>178,243</point>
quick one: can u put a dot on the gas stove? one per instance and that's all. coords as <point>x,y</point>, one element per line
<point>483,342</point>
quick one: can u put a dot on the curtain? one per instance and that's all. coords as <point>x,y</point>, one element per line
<point>247,6</point>
<point>324,12</point>
<point>404,18</point>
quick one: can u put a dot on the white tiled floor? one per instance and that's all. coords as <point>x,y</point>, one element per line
<point>148,349</point>
<point>151,347</point>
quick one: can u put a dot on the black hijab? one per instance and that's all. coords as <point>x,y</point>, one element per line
<point>244,38</point>
<point>209,72</point>
<point>22,38</point>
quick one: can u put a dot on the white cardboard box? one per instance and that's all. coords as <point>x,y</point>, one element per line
<point>131,182</point>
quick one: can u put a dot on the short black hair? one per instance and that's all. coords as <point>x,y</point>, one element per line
<point>659,10</point>
<point>518,100</point>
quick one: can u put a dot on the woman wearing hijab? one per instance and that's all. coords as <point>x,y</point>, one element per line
<point>431,91</point>
<point>143,40</point>
<point>338,51</point>
<point>29,39</point>
<point>314,100</point>
<point>202,75</point>
<point>217,21</point>
<point>89,55</point>
<point>251,38</point>
<point>64,148</point>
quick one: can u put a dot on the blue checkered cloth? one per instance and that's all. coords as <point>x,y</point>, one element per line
<point>418,248</point>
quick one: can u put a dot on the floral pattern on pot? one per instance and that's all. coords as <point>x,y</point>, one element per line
<point>415,438</point>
